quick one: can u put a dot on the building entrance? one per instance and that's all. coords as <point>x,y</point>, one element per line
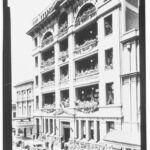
<point>24,132</point>
<point>66,131</point>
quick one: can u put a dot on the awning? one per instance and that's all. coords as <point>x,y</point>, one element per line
<point>130,138</point>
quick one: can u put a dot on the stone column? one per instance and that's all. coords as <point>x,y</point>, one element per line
<point>71,70</point>
<point>95,131</point>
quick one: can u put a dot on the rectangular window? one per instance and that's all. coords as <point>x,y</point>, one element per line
<point>83,129</point>
<point>51,126</point>
<point>77,128</point>
<point>91,127</point>
<point>35,42</point>
<point>36,61</point>
<point>109,93</point>
<point>98,130</point>
<point>108,25</point>
<point>37,102</point>
<point>110,126</point>
<point>14,114</point>
<point>109,59</point>
<point>30,131</point>
<point>36,81</point>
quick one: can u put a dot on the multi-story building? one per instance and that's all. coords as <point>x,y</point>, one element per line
<point>87,77</point>
<point>24,109</point>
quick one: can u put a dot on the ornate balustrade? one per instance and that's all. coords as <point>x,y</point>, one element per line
<point>63,56</point>
<point>48,108</point>
<point>47,41</point>
<point>87,72</point>
<point>88,45</point>
<point>64,78</point>
<point>87,106</point>
<point>84,145</point>
<point>46,64</point>
<point>63,30</point>
<point>47,84</point>
<point>85,16</point>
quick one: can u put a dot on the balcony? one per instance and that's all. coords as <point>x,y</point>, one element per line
<point>47,41</point>
<point>87,99</point>
<point>48,84</point>
<point>88,14</point>
<point>87,72</point>
<point>63,56</point>
<point>49,108</point>
<point>63,29</point>
<point>46,65</point>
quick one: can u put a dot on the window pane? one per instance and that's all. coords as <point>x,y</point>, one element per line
<point>108,25</point>
<point>131,20</point>
<point>133,2</point>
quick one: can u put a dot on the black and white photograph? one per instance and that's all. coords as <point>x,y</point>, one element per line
<point>76,78</point>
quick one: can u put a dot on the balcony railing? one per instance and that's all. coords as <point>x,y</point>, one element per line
<point>47,41</point>
<point>64,78</point>
<point>65,103</point>
<point>47,84</point>
<point>48,108</point>
<point>87,106</point>
<point>63,56</point>
<point>87,72</point>
<point>46,64</point>
<point>88,45</point>
<point>85,16</point>
<point>63,29</point>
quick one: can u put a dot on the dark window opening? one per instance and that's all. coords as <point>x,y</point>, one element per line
<point>46,125</point>
<point>88,93</point>
<point>37,102</point>
<point>132,20</point>
<point>36,81</point>
<point>110,126</point>
<point>63,22</point>
<point>35,42</point>
<point>77,128</point>
<point>48,54</point>
<point>48,78</point>
<point>64,75</point>
<point>51,126</point>
<point>86,36</point>
<point>98,130</point>
<point>65,98</point>
<point>48,98</point>
<point>87,65</point>
<point>47,38</point>
<point>91,126</point>
<point>14,114</point>
<point>64,45</point>
<point>109,93</point>
<point>83,129</point>
<point>109,59</point>
<point>108,25</point>
<point>36,61</point>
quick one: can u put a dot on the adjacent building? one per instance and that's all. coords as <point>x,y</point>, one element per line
<point>24,109</point>
<point>87,75</point>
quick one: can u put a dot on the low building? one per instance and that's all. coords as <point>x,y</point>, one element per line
<point>24,109</point>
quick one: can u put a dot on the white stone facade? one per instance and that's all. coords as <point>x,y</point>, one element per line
<point>23,122</point>
<point>87,77</point>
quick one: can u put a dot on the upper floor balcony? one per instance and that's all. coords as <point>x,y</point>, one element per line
<point>86,40</point>
<point>87,68</point>
<point>64,74</point>
<point>48,59</point>
<point>63,24</point>
<point>86,13</point>
<point>46,65</point>
<point>87,98</point>
<point>48,102</point>
<point>47,41</point>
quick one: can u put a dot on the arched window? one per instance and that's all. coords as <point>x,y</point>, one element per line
<point>48,38</point>
<point>85,13</point>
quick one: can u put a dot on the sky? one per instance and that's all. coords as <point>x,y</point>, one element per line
<point>22,14</point>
